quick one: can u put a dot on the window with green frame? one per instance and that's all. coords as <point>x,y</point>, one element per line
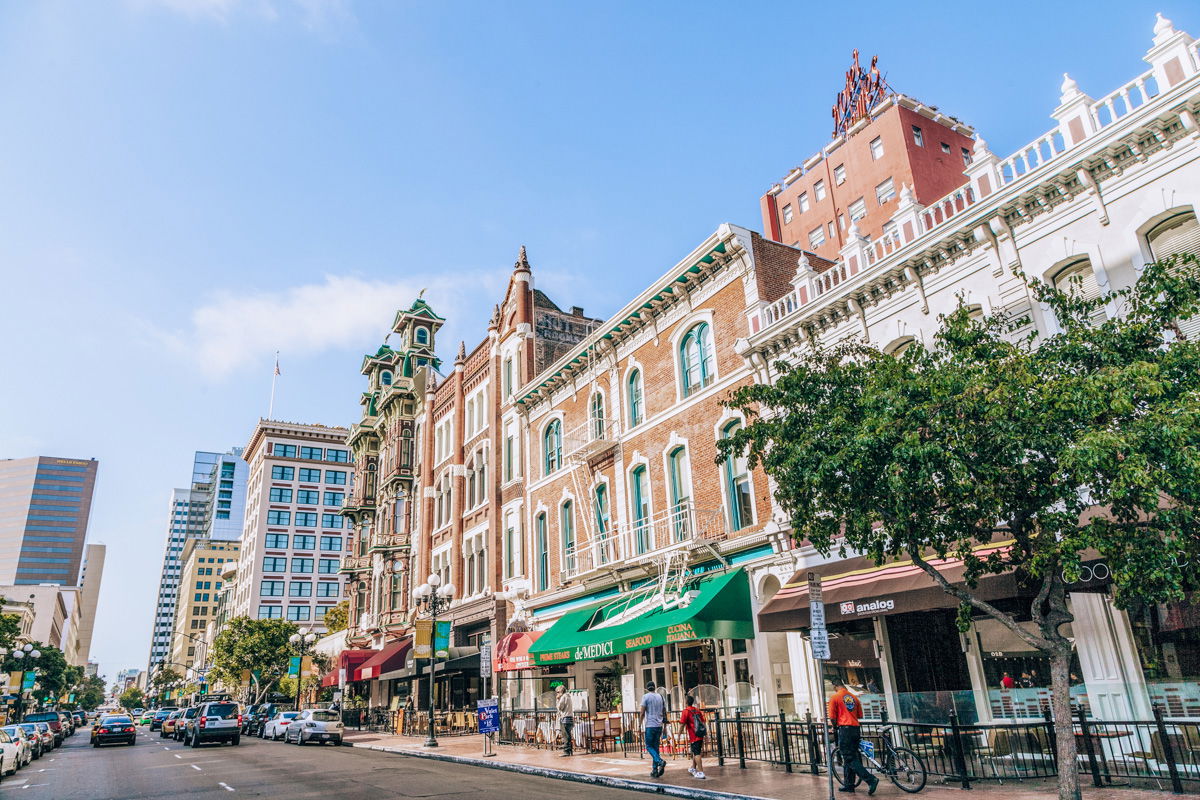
<point>640,498</point>
<point>680,500</point>
<point>552,447</point>
<point>696,359</point>
<point>596,412</point>
<point>566,519</point>
<point>600,503</point>
<point>543,553</point>
<point>739,492</point>
<point>634,390</point>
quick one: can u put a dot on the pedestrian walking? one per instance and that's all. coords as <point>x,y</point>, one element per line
<point>566,718</point>
<point>654,712</point>
<point>696,727</point>
<point>845,711</point>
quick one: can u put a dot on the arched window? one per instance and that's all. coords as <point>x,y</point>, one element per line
<point>1177,234</point>
<point>636,410</point>
<point>385,378</point>
<point>552,447</point>
<point>1078,279</point>
<point>567,526</point>
<point>600,503</point>
<point>739,491</point>
<point>640,501</point>
<point>596,412</point>
<point>543,553</point>
<point>696,359</point>
<point>680,501</point>
<point>421,335</point>
<point>898,346</point>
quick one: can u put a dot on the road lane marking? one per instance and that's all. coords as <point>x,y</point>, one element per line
<point>226,787</point>
<point>31,785</point>
<point>193,766</point>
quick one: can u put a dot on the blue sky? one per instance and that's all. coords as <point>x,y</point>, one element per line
<point>191,185</point>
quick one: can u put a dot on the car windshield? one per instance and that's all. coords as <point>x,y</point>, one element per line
<point>118,721</point>
<point>190,712</point>
<point>325,716</point>
<point>12,730</point>
<point>30,728</point>
<point>222,710</point>
<point>289,715</point>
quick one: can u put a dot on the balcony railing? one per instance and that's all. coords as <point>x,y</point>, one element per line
<point>355,563</point>
<point>636,541</point>
<point>389,541</point>
<point>596,436</point>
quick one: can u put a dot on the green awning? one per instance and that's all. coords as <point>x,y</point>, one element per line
<point>718,608</point>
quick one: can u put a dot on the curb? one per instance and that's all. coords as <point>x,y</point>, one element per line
<point>670,790</point>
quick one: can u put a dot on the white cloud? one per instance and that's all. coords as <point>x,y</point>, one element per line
<point>313,14</point>
<point>236,330</point>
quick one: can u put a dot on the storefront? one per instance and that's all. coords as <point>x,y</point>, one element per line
<point>392,657</point>
<point>343,674</point>
<point>695,637</point>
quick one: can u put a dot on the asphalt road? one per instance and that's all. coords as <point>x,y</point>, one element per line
<point>163,768</point>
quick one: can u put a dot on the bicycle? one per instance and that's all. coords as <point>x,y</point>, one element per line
<point>899,764</point>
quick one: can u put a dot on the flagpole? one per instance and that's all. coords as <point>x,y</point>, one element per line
<point>274,376</point>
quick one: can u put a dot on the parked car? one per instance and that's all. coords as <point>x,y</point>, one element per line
<point>276,726</point>
<point>10,754</point>
<point>36,740</point>
<point>259,717</point>
<point>80,718</point>
<point>315,725</point>
<point>52,719</point>
<point>156,721</point>
<point>48,742</point>
<point>68,722</point>
<point>167,728</point>
<point>216,722</point>
<point>115,728</point>
<point>24,744</point>
<point>185,719</point>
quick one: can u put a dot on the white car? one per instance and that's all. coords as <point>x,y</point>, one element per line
<point>276,726</point>
<point>315,725</point>
<point>25,747</point>
<point>10,755</point>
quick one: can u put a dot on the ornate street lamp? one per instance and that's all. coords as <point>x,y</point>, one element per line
<point>302,641</point>
<point>434,598</point>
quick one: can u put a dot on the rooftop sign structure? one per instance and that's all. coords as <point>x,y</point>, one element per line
<point>864,90</point>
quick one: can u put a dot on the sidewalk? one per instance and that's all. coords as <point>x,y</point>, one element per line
<point>756,781</point>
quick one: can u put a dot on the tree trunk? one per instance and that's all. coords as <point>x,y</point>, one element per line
<point>1064,729</point>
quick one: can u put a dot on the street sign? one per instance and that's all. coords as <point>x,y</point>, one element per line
<point>820,643</point>
<point>489,715</point>
<point>485,659</point>
<point>816,614</point>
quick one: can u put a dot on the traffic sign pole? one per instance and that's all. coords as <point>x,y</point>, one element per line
<point>819,640</point>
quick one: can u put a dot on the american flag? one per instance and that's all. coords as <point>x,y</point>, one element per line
<point>277,372</point>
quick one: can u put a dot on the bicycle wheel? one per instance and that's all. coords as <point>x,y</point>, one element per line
<point>906,769</point>
<point>839,772</point>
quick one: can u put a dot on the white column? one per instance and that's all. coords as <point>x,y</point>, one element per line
<point>806,684</point>
<point>885,655</point>
<point>1108,658</point>
<point>979,685</point>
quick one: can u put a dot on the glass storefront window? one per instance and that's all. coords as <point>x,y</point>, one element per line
<point>1167,637</point>
<point>1017,674</point>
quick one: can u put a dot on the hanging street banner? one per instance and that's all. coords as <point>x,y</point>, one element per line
<point>441,640</point>
<point>422,638</point>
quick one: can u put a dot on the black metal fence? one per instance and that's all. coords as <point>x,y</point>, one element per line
<point>375,720</point>
<point>1162,752</point>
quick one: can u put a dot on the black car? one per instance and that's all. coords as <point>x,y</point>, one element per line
<point>115,728</point>
<point>157,720</point>
<point>257,717</point>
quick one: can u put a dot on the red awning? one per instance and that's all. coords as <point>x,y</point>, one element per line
<point>349,660</point>
<point>391,657</point>
<point>512,653</point>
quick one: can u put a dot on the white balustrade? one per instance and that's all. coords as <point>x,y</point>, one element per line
<point>1110,109</point>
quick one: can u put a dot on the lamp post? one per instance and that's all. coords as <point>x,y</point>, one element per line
<point>23,657</point>
<point>434,598</point>
<point>302,640</point>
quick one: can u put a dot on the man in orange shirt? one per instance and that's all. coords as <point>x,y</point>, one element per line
<point>845,711</point>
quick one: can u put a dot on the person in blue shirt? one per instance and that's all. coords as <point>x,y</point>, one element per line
<point>654,712</point>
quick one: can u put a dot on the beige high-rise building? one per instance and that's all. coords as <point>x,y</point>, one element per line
<point>199,585</point>
<point>45,503</point>
<point>89,598</point>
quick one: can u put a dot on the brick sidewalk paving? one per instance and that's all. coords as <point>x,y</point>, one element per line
<point>757,780</point>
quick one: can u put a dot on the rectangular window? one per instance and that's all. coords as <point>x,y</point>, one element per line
<point>335,498</point>
<point>508,377</point>
<point>885,191</point>
<point>300,589</point>
<point>285,450</point>
<point>858,209</point>
<point>966,155</point>
<point>335,476</point>
<point>543,553</point>
<point>945,148</point>
<point>802,201</point>
<point>327,589</point>
<point>312,453</point>
<point>280,495</point>
<point>309,475</point>
<point>508,458</point>
<point>877,148</point>
<point>342,456</point>
<point>319,612</point>
<point>298,613</point>
<point>279,518</point>
<point>787,213</point>
<point>830,227</point>
<point>270,612</point>
<point>839,174</point>
<point>306,519</point>
<point>302,565</point>
<point>816,237</point>
<point>308,497</point>
<point>332,521</point>
<point>328,566</point>
<point>277,541</point>
<point>918,137</point>
<point>274,564</point>
<point>304,541</point>
<point>331,543</point>
<point>270,589</point>
<point>819,190</point>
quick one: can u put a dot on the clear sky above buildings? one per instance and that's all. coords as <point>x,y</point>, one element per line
<point>190,185</point>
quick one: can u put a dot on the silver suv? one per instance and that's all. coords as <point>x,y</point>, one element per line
<point>215,722</point>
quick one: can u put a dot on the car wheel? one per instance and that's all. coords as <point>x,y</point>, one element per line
<point>95,744</point>
<point>237,740</point>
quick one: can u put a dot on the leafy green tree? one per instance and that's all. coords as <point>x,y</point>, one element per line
<point>164,677</point>
<point>1078,444</point>
<point>89,693</point>
<point>337,617</point>
<point>255,644</point>
<point>132,698</point>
